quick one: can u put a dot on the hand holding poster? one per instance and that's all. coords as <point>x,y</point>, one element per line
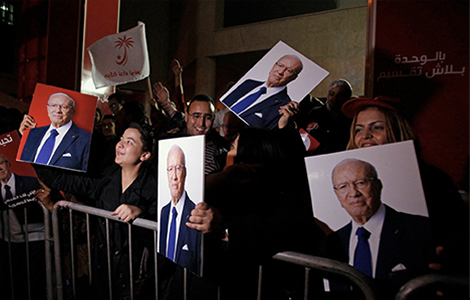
<point>120,58</point>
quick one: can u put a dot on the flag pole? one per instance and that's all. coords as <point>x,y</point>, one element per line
<point>149,86</point>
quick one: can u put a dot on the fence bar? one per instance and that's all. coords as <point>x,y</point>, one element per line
<point>47,244</point>
<point>306,281</point>
<point>260,280</point>
<point>331,266</point>
<point>185,283</point>
<point>8,235</point>
<point>105,214</point>
<point>155,257</point>
<point>108,255</point>
<point>429,280</point>
<point>72,254</point>
<point>88,240</point>
<point>26,239</point>
<point>58,266</point>
<point>131,281</point>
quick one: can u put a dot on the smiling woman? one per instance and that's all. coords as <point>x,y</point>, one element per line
<point>378,121</point>
<point>128,192</point>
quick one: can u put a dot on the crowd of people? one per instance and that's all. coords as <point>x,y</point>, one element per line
<point>257,199</point>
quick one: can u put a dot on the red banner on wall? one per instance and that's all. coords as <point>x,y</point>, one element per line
<point>420,53</point>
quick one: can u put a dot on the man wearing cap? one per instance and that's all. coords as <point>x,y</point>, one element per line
<point>391,247</point>
<point>258,102</point>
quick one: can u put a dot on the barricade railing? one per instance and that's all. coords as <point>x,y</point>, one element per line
<point>48,254</point>
<point>324,265</point>
<point>435,282</point>
<point>308,262</point>
<point>102,214</point>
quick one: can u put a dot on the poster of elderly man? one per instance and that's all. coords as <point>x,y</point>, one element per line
<point>372,203</point>
<point>180,189</point>
<point>281,76</point>
<point>59,128</point>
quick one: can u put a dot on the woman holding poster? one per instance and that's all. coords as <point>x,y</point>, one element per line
<point>378,121</point>
<point>129,192</point>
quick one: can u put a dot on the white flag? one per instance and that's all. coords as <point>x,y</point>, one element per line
<point>120,58</point>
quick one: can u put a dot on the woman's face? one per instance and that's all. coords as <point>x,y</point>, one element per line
<point>370,128</point>
<point>129,149</point>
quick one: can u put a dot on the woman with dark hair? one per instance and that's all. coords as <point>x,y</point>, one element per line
<point>252,212</point>
<point>257,146</point>
<point>128,192</point>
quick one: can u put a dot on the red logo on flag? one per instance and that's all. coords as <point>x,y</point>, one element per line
<point>123,43</point>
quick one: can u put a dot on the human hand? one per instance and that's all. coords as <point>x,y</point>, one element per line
<point>27,123</point>
<point>127,212</point>
<point>163,98</point>
<point>287,112</point>
<point>437,266</point>
<point>161,93</point>
<point>176,67</point>
<point>204,218</point>
<point>44,195</point>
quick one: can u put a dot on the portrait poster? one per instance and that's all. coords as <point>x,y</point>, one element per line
<point>26,182</point>
<point>51,109</point>
<point>264,111</point>
<point>180,186</point>
<point>397,168</point>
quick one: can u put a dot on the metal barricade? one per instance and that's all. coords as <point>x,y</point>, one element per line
<point>434,281</point>
<point>325,265</point>
<point>102,214</point>
<point>306,261</point>
<point>48,254</point>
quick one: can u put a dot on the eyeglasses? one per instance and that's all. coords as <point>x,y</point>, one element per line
<point>207,117</point>
<point>359,184</point>
<point>288,70</point>
<point>178,168</point>
<point>62,107</point>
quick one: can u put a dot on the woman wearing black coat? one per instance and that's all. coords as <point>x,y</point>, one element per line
<point>129,192</point>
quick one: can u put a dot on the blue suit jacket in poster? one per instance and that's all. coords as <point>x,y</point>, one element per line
<point>265,113</point>
<point>26,184</point>
<point>404,249</point>
<point>188,247</point>
<point>72,153</point>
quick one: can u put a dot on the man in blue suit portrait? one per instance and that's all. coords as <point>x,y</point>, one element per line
<point>258,102</point>
<point>389,246</point>
<point>62,143</point>
<point>177,241</point>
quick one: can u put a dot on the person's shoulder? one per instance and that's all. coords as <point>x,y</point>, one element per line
<point>407,219</point>
<point>27,179</point>
<point>345,229</point>
<point>188,200</point>
<point>38,130</point>
<point>79,130</point>
<point>249,83</point>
